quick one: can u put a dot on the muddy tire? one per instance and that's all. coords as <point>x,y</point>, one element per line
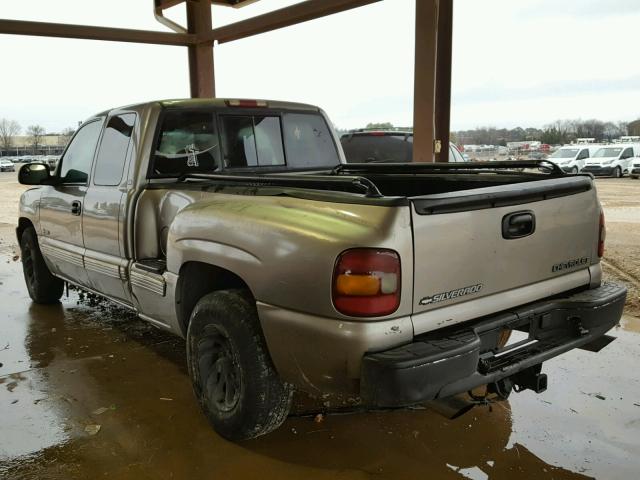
<point>574,170</point>
<point>42,285</point>
<point>617,172</point>
<point>233,376</point>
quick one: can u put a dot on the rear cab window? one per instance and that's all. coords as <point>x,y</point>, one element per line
<point>251,141</point>
<point>187,142</point>
<point>206,141</point>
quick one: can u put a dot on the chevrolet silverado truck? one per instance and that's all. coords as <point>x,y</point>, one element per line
<point>238,225</point>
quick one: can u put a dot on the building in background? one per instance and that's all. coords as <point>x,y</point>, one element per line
<point>48,144</point>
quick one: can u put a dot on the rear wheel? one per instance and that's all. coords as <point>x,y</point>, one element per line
<point>233,376</point>
<point>42,285</point>
<point>617,172</point>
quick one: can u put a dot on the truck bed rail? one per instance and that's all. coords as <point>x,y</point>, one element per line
<point>475,167</point>
<point>354,184</point>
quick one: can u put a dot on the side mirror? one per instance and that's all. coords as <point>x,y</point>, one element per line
<point>33,174</point>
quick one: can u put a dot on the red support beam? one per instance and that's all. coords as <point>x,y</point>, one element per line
<point>164,4</point>
<point>424,78</point>
<point>201,73</point>
<point>284,17</point>
<point>87,32</point>
<point>443,77</point>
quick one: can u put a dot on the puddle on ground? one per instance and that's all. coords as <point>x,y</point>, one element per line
<point>72,367</point>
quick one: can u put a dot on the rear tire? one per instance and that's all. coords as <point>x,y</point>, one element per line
<point>42,285</point>
<point>233,376</point>
<point>617,172</point>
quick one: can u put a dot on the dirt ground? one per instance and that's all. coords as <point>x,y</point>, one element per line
<point>89,391</point>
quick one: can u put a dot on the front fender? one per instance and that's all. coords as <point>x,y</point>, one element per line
<point>29,208</point>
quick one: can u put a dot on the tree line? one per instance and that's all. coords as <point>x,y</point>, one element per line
<point>555,133</point>
<point>10,129</point>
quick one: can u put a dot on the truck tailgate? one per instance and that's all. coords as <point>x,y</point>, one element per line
<point>478,243</point>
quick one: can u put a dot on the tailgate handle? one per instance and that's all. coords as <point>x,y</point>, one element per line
<point>518,224</point>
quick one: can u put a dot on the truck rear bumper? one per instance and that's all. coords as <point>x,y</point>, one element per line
<point>446,362</point>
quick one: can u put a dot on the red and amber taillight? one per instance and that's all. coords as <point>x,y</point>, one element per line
<point>366,282</point>
<point>602,234</point>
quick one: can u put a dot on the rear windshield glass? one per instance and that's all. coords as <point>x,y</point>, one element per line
<point>607,152</point>
<point>378,148</point>
<point>309,141</point>
<point>188,142</point>
<point>251,141</point>
<point>201,141</point>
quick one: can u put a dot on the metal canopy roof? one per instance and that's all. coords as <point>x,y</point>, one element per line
<point>432,75</point>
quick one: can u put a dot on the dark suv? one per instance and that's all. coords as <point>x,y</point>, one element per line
<point>384,146</point>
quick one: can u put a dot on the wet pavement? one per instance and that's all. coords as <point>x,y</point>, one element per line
<point>89,391</point>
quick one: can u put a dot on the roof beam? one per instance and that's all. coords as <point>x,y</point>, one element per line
<point>284,17</point>
<point>164,4</point>
<point>87,32</point>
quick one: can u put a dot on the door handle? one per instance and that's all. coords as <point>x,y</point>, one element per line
<point>76,207</point>
<point>518,224</point>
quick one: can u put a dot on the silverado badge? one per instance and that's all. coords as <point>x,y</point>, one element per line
<point>458,292</point>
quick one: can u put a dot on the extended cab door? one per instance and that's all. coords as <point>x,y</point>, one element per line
<point>61,236</point>
<point>104,217</point>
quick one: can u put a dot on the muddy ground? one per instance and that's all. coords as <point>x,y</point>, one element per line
<point>91,392</point>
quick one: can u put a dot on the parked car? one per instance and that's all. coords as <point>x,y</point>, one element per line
<point>6,165</point>
<point>613,160</point>
<point>635,168</point>
<point>238,225</point>
<point>384,146</point>
<point>571,158</point>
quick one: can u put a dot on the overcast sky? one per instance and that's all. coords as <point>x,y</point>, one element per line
<point>514,63</point>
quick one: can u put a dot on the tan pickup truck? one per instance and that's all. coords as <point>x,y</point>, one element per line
<point>238,225</point>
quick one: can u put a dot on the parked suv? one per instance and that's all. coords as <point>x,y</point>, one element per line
<point>572,158</point>
<point>384,146</point>
<point>635,168</point>
<point>613,160</point>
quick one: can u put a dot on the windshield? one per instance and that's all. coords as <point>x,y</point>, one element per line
<point>607,152</point>
<point>565,153</point>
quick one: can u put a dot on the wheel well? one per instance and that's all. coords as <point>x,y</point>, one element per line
<point>195,280</point>
<point>23,224</point>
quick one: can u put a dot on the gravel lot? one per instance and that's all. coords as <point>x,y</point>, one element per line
<point>89,391</point>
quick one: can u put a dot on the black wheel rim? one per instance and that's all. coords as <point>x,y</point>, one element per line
<point>27,265</point>
<point>219,370</point>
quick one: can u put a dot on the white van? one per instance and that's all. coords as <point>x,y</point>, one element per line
<point>571,158</point>
<point>612,160</point>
